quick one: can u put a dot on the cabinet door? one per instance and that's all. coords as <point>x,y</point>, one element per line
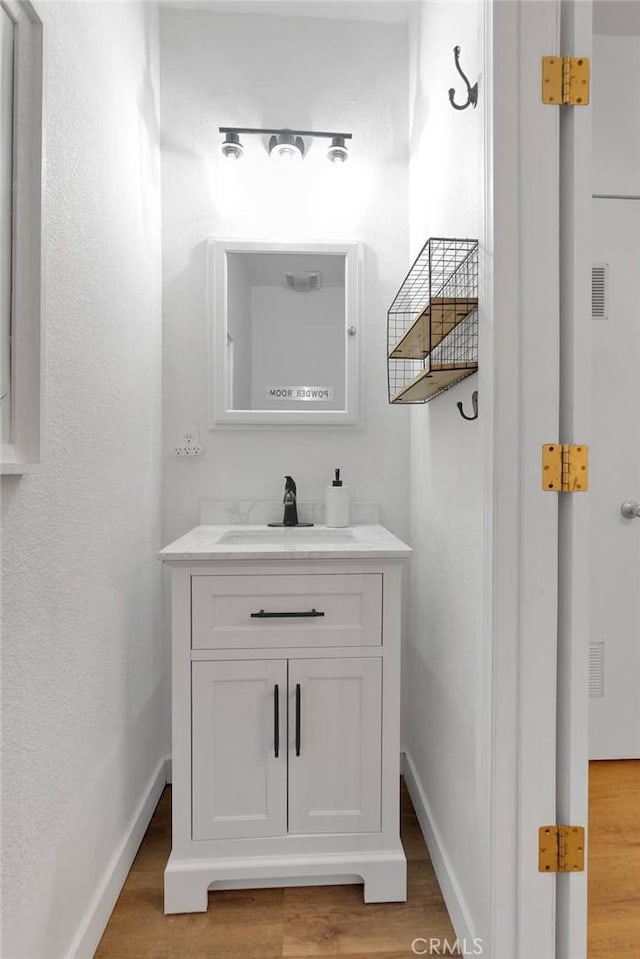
<point>239,773</point>
<point>334,745</point>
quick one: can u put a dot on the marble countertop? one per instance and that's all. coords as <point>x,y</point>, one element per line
<point>237,542</point>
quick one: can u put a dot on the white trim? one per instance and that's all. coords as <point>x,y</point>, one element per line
<point>220,417</point>
<point>18,469</point>
<point>521,519</point>
<point>574,511</point>
<point>98,913</point>
<point>450,887</point>
<point>487,388</point>
<point>23,451</point>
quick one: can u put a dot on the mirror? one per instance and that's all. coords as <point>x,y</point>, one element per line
<point>285,343</point>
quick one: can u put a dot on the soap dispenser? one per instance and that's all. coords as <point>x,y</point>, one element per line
<point>337,503</point>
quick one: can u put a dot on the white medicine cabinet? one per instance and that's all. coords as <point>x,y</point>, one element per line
<point>285,334</point>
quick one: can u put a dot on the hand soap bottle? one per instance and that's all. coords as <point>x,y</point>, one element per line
<point>337,503</point>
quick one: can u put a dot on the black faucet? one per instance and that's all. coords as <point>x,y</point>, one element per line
<point>290,517</point>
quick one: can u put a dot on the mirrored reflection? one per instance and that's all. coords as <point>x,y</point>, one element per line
<point>285,331</point>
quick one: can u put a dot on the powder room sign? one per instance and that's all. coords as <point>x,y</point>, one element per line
<point>296,394</point>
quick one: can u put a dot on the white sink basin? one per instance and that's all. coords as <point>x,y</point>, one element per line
<point>286,535</point>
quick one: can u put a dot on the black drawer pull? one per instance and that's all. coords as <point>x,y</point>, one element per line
<point>309,613</point>
<point>297,719</point>
<point>276,720</point>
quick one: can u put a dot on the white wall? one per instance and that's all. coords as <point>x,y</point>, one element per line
<point>442,667</point>
<point>84,697</point>
<point>239,70</point>
<point>616,115</point>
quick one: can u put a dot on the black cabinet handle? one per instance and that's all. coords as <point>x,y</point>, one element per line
<point>297,719</point>
<point>263,615</point>
<point>276,720</point>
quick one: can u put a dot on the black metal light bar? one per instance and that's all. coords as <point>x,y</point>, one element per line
<point>299,133</point>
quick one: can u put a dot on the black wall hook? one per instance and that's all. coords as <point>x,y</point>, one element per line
<point>474,403</point>
<point>472,91</point>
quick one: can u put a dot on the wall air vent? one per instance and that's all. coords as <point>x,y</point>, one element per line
<point>596,669</point>
<point>599,291</point>
<point>302,282</point>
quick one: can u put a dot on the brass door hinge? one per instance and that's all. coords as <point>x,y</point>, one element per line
<point>565,80</point>
<point>565,469</point>
<point>561,849</point>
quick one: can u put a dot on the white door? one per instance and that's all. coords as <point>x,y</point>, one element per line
<point>335,719</point>
<point>614,704</point>
<point>239,749</point>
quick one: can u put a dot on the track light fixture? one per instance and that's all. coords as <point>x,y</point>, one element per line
<point>286,145</point>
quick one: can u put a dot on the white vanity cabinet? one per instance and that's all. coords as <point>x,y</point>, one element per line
<point>286,747</point>
<point>286,700</point>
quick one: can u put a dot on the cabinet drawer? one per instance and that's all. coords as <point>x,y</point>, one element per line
<point>258,612</point>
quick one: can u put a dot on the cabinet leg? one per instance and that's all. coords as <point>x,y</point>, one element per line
<point>386,881</point>
<point>184,891</point>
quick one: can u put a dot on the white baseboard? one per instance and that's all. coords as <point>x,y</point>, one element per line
<point>101,906</point>
<point>450,888</point>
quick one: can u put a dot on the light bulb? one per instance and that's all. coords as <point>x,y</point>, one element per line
<point>338,152</point>
<point>286,152</point>
<point>286,147</point>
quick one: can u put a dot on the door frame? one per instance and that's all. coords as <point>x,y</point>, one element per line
<point>536,557</point>
<point>575,427</point>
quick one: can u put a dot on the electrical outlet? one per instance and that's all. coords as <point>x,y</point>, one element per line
<point>189,443</point>
<point>188,450</point>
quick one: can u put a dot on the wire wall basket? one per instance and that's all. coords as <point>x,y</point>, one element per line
<point>432,329</point>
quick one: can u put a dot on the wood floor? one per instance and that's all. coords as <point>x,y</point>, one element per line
<point>327,921</point>
<point>614,859</point>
